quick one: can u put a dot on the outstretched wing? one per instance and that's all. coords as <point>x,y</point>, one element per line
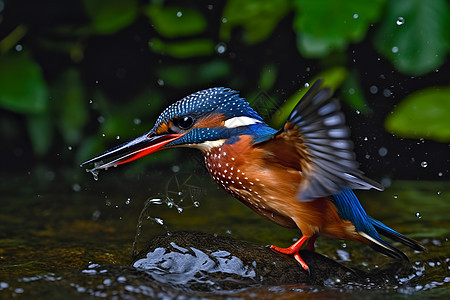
<point>322,141</point>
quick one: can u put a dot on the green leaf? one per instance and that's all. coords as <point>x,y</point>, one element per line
<point>109,16</point>
<point>418,45</point>
<point>352,94</point>
<point>70,104</point>
<point>173,22</point>
<point>332,78</point>
<point>184,49</point>
<point>40,130</point>
<point>324,26</point>
<point>423,114</point>
<point>268,77</point>
<point>258,17</point>
<point>22,85</point>
<point>194,75</point>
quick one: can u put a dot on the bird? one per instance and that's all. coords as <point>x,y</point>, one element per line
<point>301,176</point>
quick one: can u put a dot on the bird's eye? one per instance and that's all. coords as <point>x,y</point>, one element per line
<point>185,122</point>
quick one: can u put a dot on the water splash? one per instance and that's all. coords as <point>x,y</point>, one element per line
<point>183,191</point>
<point>94,171</point>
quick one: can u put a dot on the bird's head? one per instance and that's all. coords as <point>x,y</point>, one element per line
<point>202,120</point>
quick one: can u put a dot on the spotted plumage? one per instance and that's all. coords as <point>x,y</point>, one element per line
<point>300,176</point>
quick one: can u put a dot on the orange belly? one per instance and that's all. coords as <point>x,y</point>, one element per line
<point>270,190</point>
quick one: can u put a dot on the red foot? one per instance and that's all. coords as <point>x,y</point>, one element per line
<point>293,250</point>
<point>312,240</point>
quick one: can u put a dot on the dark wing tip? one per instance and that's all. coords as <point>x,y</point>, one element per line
<point>321,125</point>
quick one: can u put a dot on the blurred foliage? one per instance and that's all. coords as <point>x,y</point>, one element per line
<point>414,35</point>
<point>188,48</point>
<point>109,16</point>
<point>423,114</point>
<point>172,22</point>
<point>30,94</point>
<point>258,17</point>
<point>324,26</point>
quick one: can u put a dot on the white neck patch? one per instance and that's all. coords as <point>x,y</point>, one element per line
<point>207,145</point>
<point>240,121</point>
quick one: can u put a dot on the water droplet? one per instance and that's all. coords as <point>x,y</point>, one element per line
<point>69,148</point>
<point>355,16</point>
<point>19,47</point>
<point>179,210</point>
<point>424,164</point>
<point>159,221</point>
<point>386,182</point>
<point>395,196</point>
<point>175,168</point>
<point>351,91</point>
<point>160,82</point>
<point>387,93</point>
<point>382,151</point>
<point>358,112</point>
<point>90,101</point>
<point>394,49</point>
<point>76,187</point>
<point>156,201</point>
<point>438,192</point>
<point>418,215</point>
<point>94,173</point>
<point>180,193</point>
<point>179,14</point>
<point>118,137</point>
<point>440,174</point>
<point>366,138</point>
<point>96,81</point>
<point>101,119</point>
<point>128,201</point>
<point>306,84</point>
<point>224,20</point>
<point>196,203</point>
<point>400,21</point>
<point>373,89</point>
<point>103,135</point>
<point>221,48</point>
<point>136,121</point>
<point>210,6</point>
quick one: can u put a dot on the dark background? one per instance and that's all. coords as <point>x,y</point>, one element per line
<point>102,79</point>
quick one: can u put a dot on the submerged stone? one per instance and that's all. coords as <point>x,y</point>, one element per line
<point>202,261</point>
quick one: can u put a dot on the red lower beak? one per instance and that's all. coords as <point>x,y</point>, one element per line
<point>132,150</point>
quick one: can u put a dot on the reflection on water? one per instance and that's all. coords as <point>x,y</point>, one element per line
<point>64,242</point>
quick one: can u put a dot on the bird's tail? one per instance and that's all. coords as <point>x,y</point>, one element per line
<point>394,235</point>
<point>370,229</point>
<point>380,245</point>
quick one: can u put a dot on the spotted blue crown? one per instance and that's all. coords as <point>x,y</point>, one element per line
<point>213,100</point>
<point>218,100</point>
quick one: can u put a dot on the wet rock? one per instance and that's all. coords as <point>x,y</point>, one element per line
<point>207,262</point>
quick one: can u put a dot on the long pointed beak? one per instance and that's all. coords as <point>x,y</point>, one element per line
<point>132,150</point>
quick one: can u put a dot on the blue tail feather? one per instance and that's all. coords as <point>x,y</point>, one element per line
<point>349,208</point>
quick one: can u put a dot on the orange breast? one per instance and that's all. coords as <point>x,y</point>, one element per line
<point>253,175</point>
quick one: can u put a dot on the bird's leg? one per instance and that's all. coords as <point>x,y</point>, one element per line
<point>293,250</point>
<point>312,240</point>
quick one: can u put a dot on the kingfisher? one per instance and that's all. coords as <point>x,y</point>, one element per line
<point>301,176</point>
